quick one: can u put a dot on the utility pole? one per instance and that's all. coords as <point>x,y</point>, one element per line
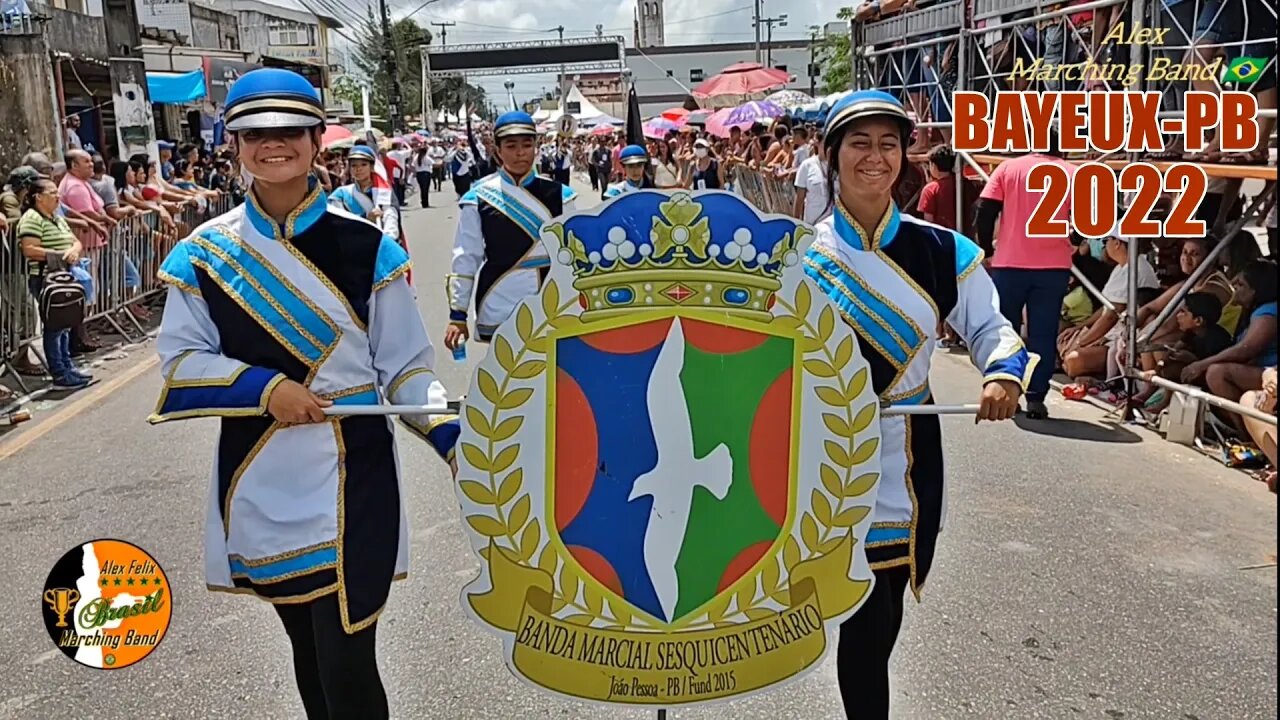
<point>769,22</point>
<point>813,49</point>
<point>444,31</point>
<point>564,94</point>
<point>755,21</point>
<point>393,72</point>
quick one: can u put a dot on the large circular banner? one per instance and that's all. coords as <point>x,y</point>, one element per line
<point>106,604</point>
<point>669,458</point>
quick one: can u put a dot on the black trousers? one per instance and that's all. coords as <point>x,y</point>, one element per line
<point>337,673</point>
<point>595,177</point>
<point>461,184</point>
<point>866,642</point>
<point>424,186</point>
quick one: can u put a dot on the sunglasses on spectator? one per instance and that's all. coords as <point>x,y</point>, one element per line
<point>284,133</point>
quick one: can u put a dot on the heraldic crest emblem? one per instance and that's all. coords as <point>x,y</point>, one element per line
<point>669,458</point>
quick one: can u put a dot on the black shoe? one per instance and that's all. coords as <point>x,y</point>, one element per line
<point>70,382</point>
<point>1036,410</point>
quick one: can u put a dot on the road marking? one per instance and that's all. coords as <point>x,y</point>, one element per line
<point>76,407</point>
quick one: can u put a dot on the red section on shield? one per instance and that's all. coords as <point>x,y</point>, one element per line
<point>768,462</point>
<point>596,566</point>
<point>720,339</point>
<point>629,340</point>
<point>576,448</point>
<point>743,563</point>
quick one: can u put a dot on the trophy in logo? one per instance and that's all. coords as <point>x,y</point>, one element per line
<point>60,601</point>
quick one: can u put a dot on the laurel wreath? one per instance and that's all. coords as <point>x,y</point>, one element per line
<point>511,529</point>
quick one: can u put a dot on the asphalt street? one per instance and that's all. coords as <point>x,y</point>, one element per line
<point>1087,570</point>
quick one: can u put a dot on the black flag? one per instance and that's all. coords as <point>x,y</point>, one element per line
<point>635,130</point>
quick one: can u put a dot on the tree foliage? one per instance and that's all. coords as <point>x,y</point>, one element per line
<point>835,58</point>
<point>407,39</point>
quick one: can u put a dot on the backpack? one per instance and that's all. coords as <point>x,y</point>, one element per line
<point>62,301</point>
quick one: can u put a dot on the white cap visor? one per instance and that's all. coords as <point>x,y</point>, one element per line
<point>273,119</point>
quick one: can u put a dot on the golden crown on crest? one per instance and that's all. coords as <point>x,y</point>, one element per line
<point>648,250</point>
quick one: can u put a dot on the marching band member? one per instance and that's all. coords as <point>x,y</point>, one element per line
<point>278,309</point>
<point>894,277</point>
<point>497,254</point>
<point>359,197</point>
<point>635,163</point>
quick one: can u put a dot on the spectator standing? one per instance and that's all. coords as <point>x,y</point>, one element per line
<point>1030,273</point>
<point>437,153</point>
<point>938,198</point>
<point>13,268</point>
<point>422,167</point>
<point>811,203</point>
<point>706,173</point>
<point>77,196</point>
<point>71,133</point>
<point>48,244</point>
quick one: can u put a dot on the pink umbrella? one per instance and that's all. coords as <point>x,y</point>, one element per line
<point>739,83</point>
<point>333,134</point>
<point>603,130</point>
<point>718,124</point>
<point>658,128</point>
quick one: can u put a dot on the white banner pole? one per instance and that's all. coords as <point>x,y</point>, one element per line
<point>452,409</point>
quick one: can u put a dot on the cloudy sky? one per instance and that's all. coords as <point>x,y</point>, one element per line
<point>688,22</point>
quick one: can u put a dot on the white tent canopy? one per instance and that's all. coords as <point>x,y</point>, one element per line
<point>586,110</point>
<point>455,118</point>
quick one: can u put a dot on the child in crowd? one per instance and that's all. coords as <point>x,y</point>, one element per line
<point>1201,337</point>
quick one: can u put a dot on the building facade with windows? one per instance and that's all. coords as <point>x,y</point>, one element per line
<point>662,74</point>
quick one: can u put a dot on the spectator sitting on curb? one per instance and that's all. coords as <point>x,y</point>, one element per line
<point>1084,349</point>
<point>1264,434</point>
<point>1238,369</point>
<point>1201,337</point>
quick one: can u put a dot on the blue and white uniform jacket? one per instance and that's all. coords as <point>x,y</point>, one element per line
<point>297,512</point>
<point>894,286</point>
<point>498,257</point>
<point>361,203</point>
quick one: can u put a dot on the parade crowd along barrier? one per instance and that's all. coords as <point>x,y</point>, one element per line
<point>123,272</point>
<point>768,193</point>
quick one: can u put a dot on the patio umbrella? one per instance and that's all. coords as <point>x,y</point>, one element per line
<point>333,134</point>
<point>603,130</point>
<point>698,117</point>
<point>789,98</point>
<point>659,127</point>
<point>739,83</point>
<point>718,124</point>
<point>753,112</point>
<point>675,114</point>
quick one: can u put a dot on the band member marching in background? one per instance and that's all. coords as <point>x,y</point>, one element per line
<point>635,164</point>
<point>363,197</point>
<point>370,195</point>
<point>895,278</point>
<point>281,308</point>
<point>498,258</point>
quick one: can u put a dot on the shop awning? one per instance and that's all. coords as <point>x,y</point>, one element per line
<point>175,88</point>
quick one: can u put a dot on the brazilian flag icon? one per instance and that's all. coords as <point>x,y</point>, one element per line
<point>1245,70</point>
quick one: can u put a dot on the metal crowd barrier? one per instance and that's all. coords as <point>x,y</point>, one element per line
<point>768,193</point>
<point>123,273</point>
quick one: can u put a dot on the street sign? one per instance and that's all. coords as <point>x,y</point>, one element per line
<point>668,459</point>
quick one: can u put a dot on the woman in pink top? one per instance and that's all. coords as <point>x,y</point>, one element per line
<point>1030,272</point>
